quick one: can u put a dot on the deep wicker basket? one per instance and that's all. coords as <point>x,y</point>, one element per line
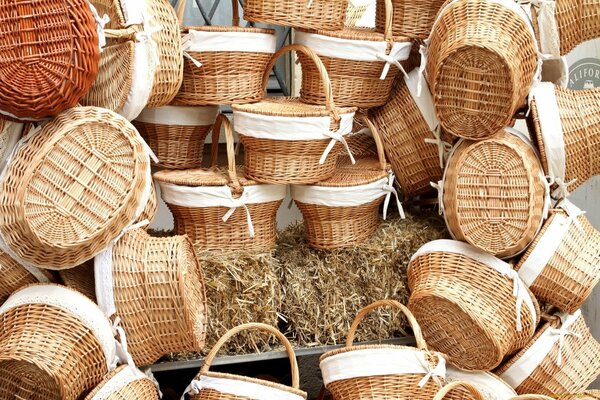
<point>307,14</point>
<point>412,18</point>
<point>125,383</point>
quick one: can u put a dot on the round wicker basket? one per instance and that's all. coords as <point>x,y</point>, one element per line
<point>125,383</point>
<point>14,276</point>
<point>412,18</point>
<point>490,385</point>
<point>465,390</point>
<point>307,14</point>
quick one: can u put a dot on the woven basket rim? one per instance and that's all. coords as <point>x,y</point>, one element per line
<point>107,378</point>
<point>304,109</point>
<point>344,350</point>
<point>357,33</point>
<point>273,385</point>
<point>224,28</point>
<point>215,176</point>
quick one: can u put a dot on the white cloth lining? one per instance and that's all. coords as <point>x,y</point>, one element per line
<point>180,115</point>
<point>247,42</point>
<point>239,388</point>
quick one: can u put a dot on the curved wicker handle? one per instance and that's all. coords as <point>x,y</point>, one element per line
<point>235,8</point>
<point>255,327</point>
<point>448,388</point>
<point>180,11</point>
<point>388,32</point>
<point>387,303</point>
<point>329,103</point>
<point>222,120</point>
<point>532,397</point>
<point>378,141</point>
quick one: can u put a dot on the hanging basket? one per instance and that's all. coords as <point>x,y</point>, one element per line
<point>49,51</point>
<point>471,305</point>
<point>307,14</point>
<point>218,208</point>
<point>176,134</point>
<point>481,61</point>
<point>412,18</point>
<point>343,210</point>
<point>72,187</point>
<point>494,194</point>
<point>55,344</point>
<point>14,276</point>
<point>125,383</point>
<point>561,358</point>
<point>210,385</point>
<point>490,385</point>
<point>360,63</point>
<point>383,371</point>
<point>287,141</point>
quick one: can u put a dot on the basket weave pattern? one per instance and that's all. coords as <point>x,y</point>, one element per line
<point>322,14</point>
<point>412,18</point>
<point>12,277</point>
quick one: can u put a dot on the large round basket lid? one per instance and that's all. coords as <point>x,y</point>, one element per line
<point>72,187</point>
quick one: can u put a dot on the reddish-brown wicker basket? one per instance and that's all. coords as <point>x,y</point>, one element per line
<point>308,14</point>
<point>125,383</point>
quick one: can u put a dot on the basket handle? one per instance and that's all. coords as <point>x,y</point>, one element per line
<point>180,11</point>
<point>378,140</point>
<point>255,327</point>
<point>329,104</point>
<point>387,303</point>
<point>466,385</point>
<point>235,8</point>
<point>388,32</point>
<point>222,120</point>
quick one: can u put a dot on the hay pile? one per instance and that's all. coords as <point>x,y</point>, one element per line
<point>324,290</point>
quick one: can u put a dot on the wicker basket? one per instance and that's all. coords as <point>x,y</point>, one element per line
<point>287,141</point>
<point>463,389</point>
<point>55,344</point>
<point>412,18</point>
<point>355,11</point>
<point>224,64</point>
<point>494,194</point>
<point>359,62</point>
<point>561,358</point>
<point>343,210</point>
<point>81,278</point>
<point>210,385</point>
<point>561,265</point>
<point>72,187</point>
<point>587,395</point>
<point>14,276</point>
<point>471,305</point>
<point>565,125</point>
<point>176,134</point>
<point>383,371</point>
<point>490,385</point>
<point>125,383</point>
<point>481,62</point>
<point>307,14</point>
<point>49,54</point>
<point>218,208</point>
<point>408,126</point>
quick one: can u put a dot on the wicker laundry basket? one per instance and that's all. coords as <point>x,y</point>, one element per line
<point>412,18</point>
<point>565,124</point>
<point>176,134</point>
<point>210,385</point>
<point>224,64</point>
<point>361,64</point>
<point>355,11</point>
<point>55,344</point>
<point>481,62</point>
<point>125,383</point>
<point>470,304</point>
<point>464,389</point>
<point>494,194</point>
<point>561,358</point>
<point>309,14</point>
<point>14,276</point>
<point>383,371</point>
<point>288,141</point>
<point>220,209</point>
<point>490,385</point>
<point>49,51</point>
<point>343,210</point>
<point>72,187</point>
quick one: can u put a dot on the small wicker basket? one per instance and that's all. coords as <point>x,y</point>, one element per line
<point>125,383</point>
<point>287,141</point>
<point>307,14</point>
<point>220,209</point>
<point>470,304</point>
<point>490,385</point>
<point>561,358</point>
<point>210,385</point>
<point>14,276</point>
<point>383,371</point>
<point>412,18</point>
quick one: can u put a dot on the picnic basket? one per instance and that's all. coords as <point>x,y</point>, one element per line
<point>125,383</point>
<point>412,18</point>
<point>309,14</point>
<point>490,385</point>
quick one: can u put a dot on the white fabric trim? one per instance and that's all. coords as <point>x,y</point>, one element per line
<point>526,363</point>
<point>144,65</point>
<point>247,42</point>
<point>180,115</point>
<point>491,386</point>
<point>548,28</point>
<point>120,380</point>
<point>380,362</point>
<point>520,292</point>
<point>100,24</point>
<point>239,388</point>
<point>73,303</point>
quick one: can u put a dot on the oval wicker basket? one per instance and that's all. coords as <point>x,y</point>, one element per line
<point>210,385</point>
<point>465,390</point>
<point>55,344</point>
<point>287,141</point>
<point>125,383</point>
<point>361,64</point>
<point>307,14</point>
<point>224,64</point>
<point>412,18</point>
<point>72,187</point>
<point>220,209</point>
<point>494,194</point>
<point>471,305</point>
<point>49,51</point>
<point>14,276</point>
<point>490,385</point>
<point>383,371</point>
<point>481,62</point>
<point>561,358</point>
<point>176,134</point>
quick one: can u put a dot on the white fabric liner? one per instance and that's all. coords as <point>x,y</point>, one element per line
<point>524,366</point>
<point>120,380</point>
<point>380,362</point>
<point>247,42</point>
<point>73,303</point>
<point>357,50</point>
<point>491,386</point>
<point>239,388</point>
<point>520,292</point>
<point>548,27</point>
<point>180,115</point>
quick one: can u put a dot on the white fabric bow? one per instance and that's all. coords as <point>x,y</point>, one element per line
<point>439,186</point>
<point>101,23</point>
<point>146,36</point>
<point>123,355</point>
<point>444,148</point>
<point>390,189</point>
<point>562,188</point>
<point>423,51</point>
<point>237,203</point>
<point>562,334</point>
<point>391,59</point>
<point>434,373</point>
<point>336,137</point>
<point>573,213</point>
<point>519,292</point>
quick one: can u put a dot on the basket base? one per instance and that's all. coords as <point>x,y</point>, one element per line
<point>24,380</point>
<point>383,387</point>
